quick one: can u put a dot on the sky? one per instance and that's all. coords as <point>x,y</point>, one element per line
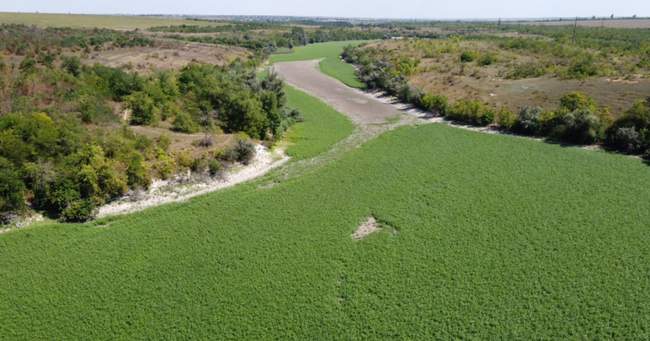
<point>423,9</point>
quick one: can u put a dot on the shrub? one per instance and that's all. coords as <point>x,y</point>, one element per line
<point>199,165</point>
<point>468,56</point>
<point>137,172</point>
<point>215,167</point>
<point>472,112</point>
<point>529,121</point>
<point>505,118</point>
<point>581,126</point>
<point>434,103</point>
<point>243,151</point>
<point>487,59</point>
<point>79,211</point>
<point>409,94</point>
<point>296,116</point>
<point>577,100</point>
<point>144,111</point>
<point>72,65</point>
<point>184,159</point>
<point>582,67</point>
<point>527,70</point>
<point>184,123</point>
<point>631,132</point>
<point>625,139</point>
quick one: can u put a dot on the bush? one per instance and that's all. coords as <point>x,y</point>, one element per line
<point>505,118</point>
<point>631,132</point>
<point>137,172</point>
<point>215,167</point>
<point>79,211</point>
<point>144,110</point>
<point>471,112</point>
<point>582,67</point>
<point>72,65</point>
<point>434,103</point>
<point>577,100</point>
<point>527,70</point>
<point>243,152</point>
<point>625,139</point>
<point>184,123</point>
<point>529,121</point>
<point>487,59</point>
<point>580,126</point>
<point>468,56</point>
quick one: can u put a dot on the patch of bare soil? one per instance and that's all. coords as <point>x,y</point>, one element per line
<point>366,228</point>
<point>306,76</point>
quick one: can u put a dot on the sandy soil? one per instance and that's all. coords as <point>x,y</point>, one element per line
<point>183,188</point>
<point>362,109</point>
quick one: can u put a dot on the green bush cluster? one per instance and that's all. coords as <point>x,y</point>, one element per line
<point>630,133</point>
<point>66,170</point>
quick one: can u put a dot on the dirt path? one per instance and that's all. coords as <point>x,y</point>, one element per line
<point>361,108</point>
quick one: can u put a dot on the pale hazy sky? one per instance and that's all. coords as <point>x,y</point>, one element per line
<point>432,9</point>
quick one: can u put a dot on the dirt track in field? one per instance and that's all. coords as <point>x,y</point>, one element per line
<point>361,108</point>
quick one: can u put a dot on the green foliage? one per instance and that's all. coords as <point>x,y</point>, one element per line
<point>631,132</point>
<point>582,67</point>
<point>526,70</point>
<point>184,123</point>
<point>79,211</point>
<point>468,56</point>
<point>143,108</point>
<point>434,103</point>
<point>487,59</point>
<point>577,100</point>
<point>214,167</point>
<point>471,112</point>
<point>11,188</point>
<point>137,172</point>
<point>243,152</point>
<point>505,118</point>
<point>72,65</point>
<point>529,121</point>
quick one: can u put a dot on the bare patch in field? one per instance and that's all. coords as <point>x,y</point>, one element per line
<point>366,228</point>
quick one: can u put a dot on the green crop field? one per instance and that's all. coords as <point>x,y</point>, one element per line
<point>484,236</point>
<point>119,22</point>
<point>331,65</point>
<point>322,128</point>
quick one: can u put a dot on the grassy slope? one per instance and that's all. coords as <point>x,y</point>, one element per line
<point>498,237</point>
<point>90,21</point>
<point>322,128</point>
<point>331,64</point>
